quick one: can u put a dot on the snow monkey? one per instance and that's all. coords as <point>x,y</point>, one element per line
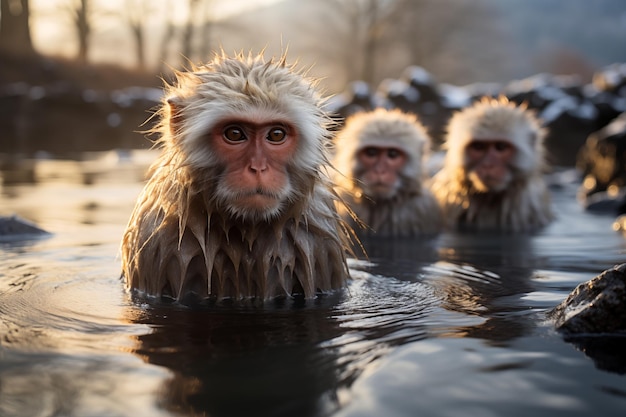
<point>239,204</point>
<point>492,174</point>
<point>380,174</point>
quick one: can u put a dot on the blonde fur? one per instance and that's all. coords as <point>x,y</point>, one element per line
<point>525,204</point>
<point>412,210</point>
<point>183,239</point>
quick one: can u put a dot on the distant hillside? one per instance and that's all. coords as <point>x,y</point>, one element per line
<point>594,30</point>
<point>45,70</point>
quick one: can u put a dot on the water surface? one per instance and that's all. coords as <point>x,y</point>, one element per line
<point>452,325</point>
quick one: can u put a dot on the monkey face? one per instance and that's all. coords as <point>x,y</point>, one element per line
<point>489,164</point>
<point>380,169</point>
<point>254,154</point>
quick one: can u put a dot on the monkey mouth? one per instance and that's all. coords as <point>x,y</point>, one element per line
<point>381,190</point>
<point>259,199</point>
<point>263,192</point>
<point>487,183</point>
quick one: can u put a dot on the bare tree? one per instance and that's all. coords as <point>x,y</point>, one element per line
<point>196,35</point>
<point>188,32</point>
<point>80,12</point>
<point>440,35</point>
<point>358,27</point>
<point>207,26</point>
<point>136,13</point>
<point>168,36</point>
<point>376,39</point>
<point>14,26</point>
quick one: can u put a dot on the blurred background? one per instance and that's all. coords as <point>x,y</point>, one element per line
<point>84,75</point>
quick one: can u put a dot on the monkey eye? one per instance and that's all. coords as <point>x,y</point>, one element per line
<point>502,146</point>
<point>234,134</point>
<point>276,135</point>
<point>394,153</point>
<point>483,145</point>
<point>371,151</point>
<point>478,145</point>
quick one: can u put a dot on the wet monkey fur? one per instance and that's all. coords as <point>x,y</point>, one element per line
<point>238,204</point>
<point>381,176</point>
<point>492,177</point>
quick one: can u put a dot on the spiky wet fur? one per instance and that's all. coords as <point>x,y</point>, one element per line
<point>525,204</point>
<point>182,238</point>
<point>413,210</point>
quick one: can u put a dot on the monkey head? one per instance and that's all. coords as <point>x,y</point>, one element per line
<point>380,152</point>
<point>241,125</point>
<point>239,203</point>
<point>493,143</point>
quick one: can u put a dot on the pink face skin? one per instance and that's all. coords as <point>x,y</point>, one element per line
<point>255,156</point>
<point>381,169</point>
<point>489,164</point>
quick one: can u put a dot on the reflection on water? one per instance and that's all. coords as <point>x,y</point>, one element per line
<point>271,357</point>
<point>486,277</point>
<point>445,325</point>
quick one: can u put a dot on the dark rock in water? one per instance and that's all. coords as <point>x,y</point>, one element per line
<point>602,160</point>
<point>595,306</point>
<point>356,98</point>
<point>573,112</point>
<point>609,105</point>
<point>563,108</point>
<point>570,121</point>
<point>537,91</point>
<point>605,202</point>
<point>14,227</point>
<point>611,79</point>
<point>593,319</point>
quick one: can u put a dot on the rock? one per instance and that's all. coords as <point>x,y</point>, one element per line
<point>596,306</point>
<point>357,97</point>
<point>572,111</point>
<point>611,79</point>
<point>602,160</point>
<point>611,202</point>
<point>593,319</point>
<point>570,120</point>
<point>14,228</point>
<point>563,108</point>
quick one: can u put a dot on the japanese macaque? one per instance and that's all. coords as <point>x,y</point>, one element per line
<point>380,174</point>
<point>492,176</point>
<point>239,204</point>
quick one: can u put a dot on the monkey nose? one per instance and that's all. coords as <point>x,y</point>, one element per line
<point>381,166</point>
<point>258,165</point>
<point>491,157</point>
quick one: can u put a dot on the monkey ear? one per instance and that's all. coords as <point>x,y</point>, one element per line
<point>175,115</point>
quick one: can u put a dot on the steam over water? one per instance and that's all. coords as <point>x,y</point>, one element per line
<point>446,326</point>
